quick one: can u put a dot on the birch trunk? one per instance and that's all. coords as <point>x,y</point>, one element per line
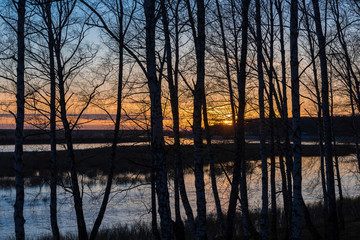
<point>53,167</point>
<point>272,138</point>
<point>318,99</point>
<point>234,193</point>
<point>154,225</point>
<point>220,216</point>
<point>332,213</point>
<point>239,174</point>
<point>174,101</point>
<point>284,187</point>
<point>263,154</point>
<point>20,115</point>
<point>82,234</point>
<point>179,168</point>
<point>111,166</point>
<point>297,203</point>
<point>157,138</point>
<point>199,40</point>
<point>285,120</point>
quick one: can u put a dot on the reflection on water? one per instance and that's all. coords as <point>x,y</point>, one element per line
<point>131,202</point>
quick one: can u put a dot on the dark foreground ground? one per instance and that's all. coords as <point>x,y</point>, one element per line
<point>133,159</point>
<point>351,210</point>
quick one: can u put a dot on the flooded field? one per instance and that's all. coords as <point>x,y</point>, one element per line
<point>130,202</point>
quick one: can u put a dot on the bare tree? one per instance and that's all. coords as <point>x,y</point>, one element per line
<point>198,34</point>
<point>46,7</point>
<point>117,10</point>
<point>318,98</point>
<point>239,170</point>
<point>176,120</point>
<point>286,176</point>
<point>297,203</point>
<point>20,115</point>
<point>67,66</point>
<point>157,137</point>
<point>172,79</point>
<point>264,170</point>
<point>332,213</point>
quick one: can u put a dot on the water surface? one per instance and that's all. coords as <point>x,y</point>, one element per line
<point>130,203</point>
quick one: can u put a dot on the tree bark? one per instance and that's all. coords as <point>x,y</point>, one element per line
<point>82,233</point>
<point>272,138</point>
<point>220,216</point>
<point>154,225</point>
<point>297,203</point>
<point>199,40</point>
<point>20,115</point>
<point>53,160</point>
<point>319,115</point>
<point>157,137</point>
<point>332,213</point>
<point>285,120</point>
<point>179,168</point>
<point>263,154</point>
<point>111,166</point>
<point>174,101</point>
<point>239,172</point>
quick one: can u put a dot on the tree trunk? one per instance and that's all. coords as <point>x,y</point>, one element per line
<point>111,166</point>
<point>220,216</point>
<point>239,174</point>
<point>263,154</point>
<point>175,109</point>
<point>154,226</point>
<point>297,203</point>
<point>272,138</point>
<point>173,89</point>
<point>199,40</point>
<point>338,176</point>
<point>318,99</point>
<point>53,167</point>
<point>285,120</point>
<point>332,213</point>
<point>284,187</point>
<point>82,233</point>
<point>157,137</point>
<point>20,115</point>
